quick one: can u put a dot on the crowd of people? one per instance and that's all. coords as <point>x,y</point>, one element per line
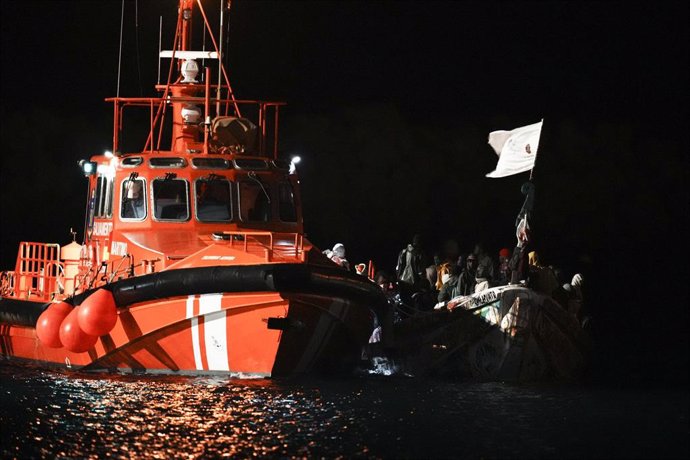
<point>425,283</point>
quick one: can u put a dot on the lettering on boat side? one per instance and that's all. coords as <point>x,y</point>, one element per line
<point>102,228</point>
<point>484,298</point>
<point>218,258</point>
<point>118,248</point>
<point>477,300</point>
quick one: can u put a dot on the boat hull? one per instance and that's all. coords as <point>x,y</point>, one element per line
<point>299,328</point>
<point>508,333</point>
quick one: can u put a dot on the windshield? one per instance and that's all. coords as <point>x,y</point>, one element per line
<point>133,204</point>
<point>213,199</point>
<point>170,199</point>
<point>286,203</point>
<point>254,202</point>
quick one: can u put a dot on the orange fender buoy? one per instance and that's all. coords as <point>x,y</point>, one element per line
<point>73,337</point>
<point>98,313</point>
<point>48,324</point>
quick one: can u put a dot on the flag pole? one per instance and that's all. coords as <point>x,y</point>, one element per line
<point>536,153</point>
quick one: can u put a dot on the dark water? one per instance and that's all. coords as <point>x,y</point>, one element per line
<point>47,414</point>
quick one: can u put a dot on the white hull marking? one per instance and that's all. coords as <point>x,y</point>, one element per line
<point>195,333</point>
<point>215,332</point>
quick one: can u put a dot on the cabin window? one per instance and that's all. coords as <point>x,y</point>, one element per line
<point>282,164</point>
<point>254,201</point>
<point>210,163</point>
<point>167,162</point>
<point>104,197</point>
<point>170,200</point>
<point>286,203</point>
<point>250,163</point>
<point>213,199</point>
<point>133,204</point>
<point>131,162</point>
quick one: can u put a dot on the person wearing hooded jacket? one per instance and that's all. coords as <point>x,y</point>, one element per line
<point>337,255</point>
<point>411,262</point>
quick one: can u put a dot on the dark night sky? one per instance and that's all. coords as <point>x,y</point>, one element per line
<point>390,105</point>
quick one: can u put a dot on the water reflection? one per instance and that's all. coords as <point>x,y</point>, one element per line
<point>167,416</point>
<point>50,414</point>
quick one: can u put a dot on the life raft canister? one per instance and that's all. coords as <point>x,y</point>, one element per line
<point>70,255</point>
<point>48,324</point>
<point>98,313</point>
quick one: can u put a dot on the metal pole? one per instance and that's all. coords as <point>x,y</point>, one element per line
<point>220,59</point>
<point>160,37</point>
<point>119,59</point>
<point>207,117</point>
<point>536,152</point>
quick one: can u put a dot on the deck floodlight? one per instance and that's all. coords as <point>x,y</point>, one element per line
<point>88,167</point>
<point>108,154</point>
<point>293,163</point>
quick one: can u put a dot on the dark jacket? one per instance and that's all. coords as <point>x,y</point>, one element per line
<point>448,288</point>
<point>411,264</point>
<point>466,283</point>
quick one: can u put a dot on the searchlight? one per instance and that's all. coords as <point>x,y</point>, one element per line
<point>293,164</point>
<point>88,167</point>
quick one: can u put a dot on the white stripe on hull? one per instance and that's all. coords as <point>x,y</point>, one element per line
<point>215,332</point>
<point>195,332</point>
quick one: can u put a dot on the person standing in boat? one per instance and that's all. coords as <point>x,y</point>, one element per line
<point>337,255</point>
<point>432,271</point>
<point>467,279</point>
<point>484,261</point>
<point>411,262</point>
<point>503,273</point>
<point>482,280</point>
<point>449,278</point>
<point>541,278</point>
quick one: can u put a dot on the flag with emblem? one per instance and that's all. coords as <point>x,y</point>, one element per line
<point>516,149</point>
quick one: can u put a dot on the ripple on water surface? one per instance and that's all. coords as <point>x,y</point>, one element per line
<point>51,414</point>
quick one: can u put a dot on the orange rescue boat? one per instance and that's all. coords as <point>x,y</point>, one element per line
<point>194,257</point>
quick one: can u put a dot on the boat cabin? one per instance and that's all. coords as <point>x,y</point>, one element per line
<point>216,182</point>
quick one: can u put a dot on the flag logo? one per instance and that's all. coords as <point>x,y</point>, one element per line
<point>516,149</point>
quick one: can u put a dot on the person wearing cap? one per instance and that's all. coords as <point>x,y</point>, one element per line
<point>503,273</point>
<point>467,279</point>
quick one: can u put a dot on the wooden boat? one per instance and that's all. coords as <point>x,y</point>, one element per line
<point>194,257</point>
<point>505,333</point>
<point>525,331</point>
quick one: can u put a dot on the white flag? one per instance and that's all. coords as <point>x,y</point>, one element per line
<point>516,149</point>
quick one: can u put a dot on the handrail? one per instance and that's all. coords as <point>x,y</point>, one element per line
<point>159,105</point>
<point>36,271</point>
<point>295,248</point>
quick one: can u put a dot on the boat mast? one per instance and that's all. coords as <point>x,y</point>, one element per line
<point>185,133</point>
<point>220,57</point>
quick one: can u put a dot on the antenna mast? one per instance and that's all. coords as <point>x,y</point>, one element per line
<point>220,57</point>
